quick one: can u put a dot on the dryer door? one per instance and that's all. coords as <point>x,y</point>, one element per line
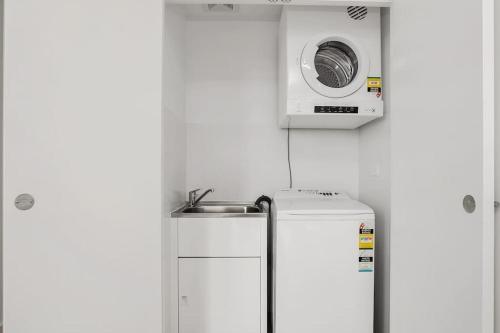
<point>334,66</point>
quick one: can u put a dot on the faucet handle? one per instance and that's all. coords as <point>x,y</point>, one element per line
<point>192,196</point>
<point>194,191</point>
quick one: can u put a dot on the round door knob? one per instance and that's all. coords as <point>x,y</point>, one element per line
<point>24,201</point>
<point>469,204</point>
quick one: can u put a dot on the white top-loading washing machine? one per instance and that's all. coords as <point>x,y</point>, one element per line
<point>323,263</point>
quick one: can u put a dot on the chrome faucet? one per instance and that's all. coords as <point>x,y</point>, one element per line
<point>194,198</point>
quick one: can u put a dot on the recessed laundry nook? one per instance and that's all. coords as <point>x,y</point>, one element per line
<point>247,115</point>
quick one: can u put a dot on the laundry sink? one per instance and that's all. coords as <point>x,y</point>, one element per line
<point>222,209</point>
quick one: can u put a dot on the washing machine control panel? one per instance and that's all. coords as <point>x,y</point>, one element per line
<point>310,194</point>
<point>335,109</point>
<point>317,192</point>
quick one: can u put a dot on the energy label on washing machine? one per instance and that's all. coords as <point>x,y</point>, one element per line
<point>366,245</point>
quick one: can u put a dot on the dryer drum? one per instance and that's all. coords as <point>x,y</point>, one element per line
<point>336,64</point>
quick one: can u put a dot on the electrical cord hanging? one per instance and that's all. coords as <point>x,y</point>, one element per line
<point>289,164</point>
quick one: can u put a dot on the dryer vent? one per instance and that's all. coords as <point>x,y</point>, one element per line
<point>221,8</point>
<point>357,12</point>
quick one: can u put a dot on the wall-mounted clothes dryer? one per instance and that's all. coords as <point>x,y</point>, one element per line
<point>330,67</point>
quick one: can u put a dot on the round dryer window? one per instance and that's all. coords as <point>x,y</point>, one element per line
<point>334,66</point>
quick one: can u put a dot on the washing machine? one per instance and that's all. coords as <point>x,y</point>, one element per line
<point>323,263</point>
<point>330,67</point>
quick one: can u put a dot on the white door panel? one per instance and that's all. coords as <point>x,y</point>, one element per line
<point>441,130</point>
<point>82,129</point>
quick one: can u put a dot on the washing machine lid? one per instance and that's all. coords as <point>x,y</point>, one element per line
<point>299,202</point>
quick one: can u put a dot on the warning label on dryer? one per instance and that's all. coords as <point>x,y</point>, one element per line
<point>366,245</point>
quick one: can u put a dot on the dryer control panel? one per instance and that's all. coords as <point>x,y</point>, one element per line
<point>335,109</point>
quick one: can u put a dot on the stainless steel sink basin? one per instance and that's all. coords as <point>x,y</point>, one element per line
<point>220,209</point>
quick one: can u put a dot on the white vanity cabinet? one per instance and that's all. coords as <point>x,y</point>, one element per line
<point>222,274</point>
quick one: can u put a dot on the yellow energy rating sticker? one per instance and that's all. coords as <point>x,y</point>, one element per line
<point>374,84</point>
<point>366,241</point>
<point>366,236</point>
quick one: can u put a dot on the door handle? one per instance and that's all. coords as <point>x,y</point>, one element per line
<point>24,201</point>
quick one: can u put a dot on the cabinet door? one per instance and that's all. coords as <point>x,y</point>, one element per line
<point>219,295</point>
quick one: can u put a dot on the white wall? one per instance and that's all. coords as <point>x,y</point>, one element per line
<point>174,149</point>
<point>497,169</point>
<point>374,184</point>
<point>174,107</point>
<point>233,140</point>
<point>1,160</point>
